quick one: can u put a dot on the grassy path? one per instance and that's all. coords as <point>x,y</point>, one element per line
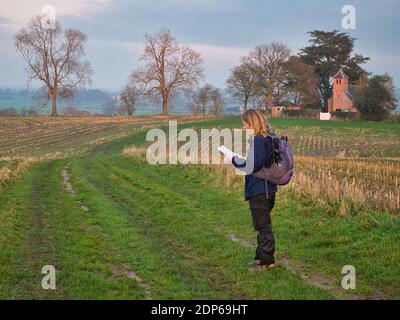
<point>184,232</point>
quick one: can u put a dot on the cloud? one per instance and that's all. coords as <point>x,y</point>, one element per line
<point>220,55</point>
<point>129,46</point>
<point>206,5</point>
<point>385,63</point>
<point>123,57</point>
<point>16,13</point>
<point>219,60</point>
<point>213,56</point>
<point>384,60</point>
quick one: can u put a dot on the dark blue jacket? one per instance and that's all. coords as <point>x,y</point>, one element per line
<point>260,147</point>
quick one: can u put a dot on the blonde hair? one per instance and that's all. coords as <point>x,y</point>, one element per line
<point>256,121</point>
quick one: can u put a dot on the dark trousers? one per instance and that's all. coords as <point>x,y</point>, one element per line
<point>261,208</point>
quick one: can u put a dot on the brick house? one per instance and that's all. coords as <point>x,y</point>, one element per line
<point>342,98</point>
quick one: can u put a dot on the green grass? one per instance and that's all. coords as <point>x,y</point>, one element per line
<point>175,257</point>
<point>164,232</point>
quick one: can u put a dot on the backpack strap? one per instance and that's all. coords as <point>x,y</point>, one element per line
<point>275,150</point>
<point>266,183</point>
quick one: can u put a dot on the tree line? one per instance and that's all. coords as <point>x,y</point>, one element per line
<point>268,74</point>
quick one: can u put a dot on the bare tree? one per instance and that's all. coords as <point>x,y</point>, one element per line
<point>267,63</point>
<point>110,107</point>
<point>208,100</point>
<point>129,98</point>
<point>202,99</point>
<point>241,84</point>
<point>54,58</point>
<point>301,82</point>
<point>169,67</point>
<point>217,102</point>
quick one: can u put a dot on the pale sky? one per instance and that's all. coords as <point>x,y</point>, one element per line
<point>222,30</point>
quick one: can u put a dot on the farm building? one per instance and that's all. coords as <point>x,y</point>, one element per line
<point>278,110</point>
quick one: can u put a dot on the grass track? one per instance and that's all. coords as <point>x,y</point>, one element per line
<point>184,232</point>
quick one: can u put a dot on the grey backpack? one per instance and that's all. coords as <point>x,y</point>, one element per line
<point>281,157</point>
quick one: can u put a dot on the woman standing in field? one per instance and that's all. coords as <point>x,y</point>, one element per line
<point>256,189</point>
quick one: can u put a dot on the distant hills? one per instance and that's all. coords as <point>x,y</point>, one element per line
<point>99,101</point>
<point>92,100</point>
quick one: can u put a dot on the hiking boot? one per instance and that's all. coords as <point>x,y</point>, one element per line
<point>255,263</point>
<point>267,266</point>
<point>262,266</point>
<point>257,266</point>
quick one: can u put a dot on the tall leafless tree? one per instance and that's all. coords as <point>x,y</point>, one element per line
<point>241,84</point>
<point>267,63</point>
<point>169,67</point>
<point>54,58</point>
